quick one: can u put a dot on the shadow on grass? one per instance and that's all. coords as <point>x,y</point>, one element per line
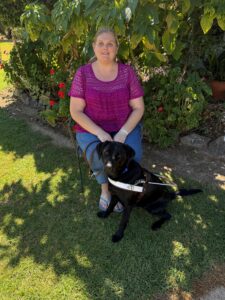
<point>65,234</point>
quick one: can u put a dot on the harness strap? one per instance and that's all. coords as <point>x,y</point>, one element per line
<point>134,187</point>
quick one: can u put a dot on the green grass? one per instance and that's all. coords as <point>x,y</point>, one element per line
<point>53,246</point>
<point>4,46</point>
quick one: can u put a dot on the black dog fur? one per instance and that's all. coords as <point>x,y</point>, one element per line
<point>119,165</point>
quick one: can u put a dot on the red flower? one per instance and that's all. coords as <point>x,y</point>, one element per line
<point>52,72</point>
<point>160,109</point>
<point>61,85</point>
<point>61,94</point>
<point>74,128</point>
<point>52,102</point>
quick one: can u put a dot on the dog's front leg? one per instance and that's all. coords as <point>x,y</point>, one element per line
<point>107,212</point>
<point>123,224</point>
<point>164,216</point>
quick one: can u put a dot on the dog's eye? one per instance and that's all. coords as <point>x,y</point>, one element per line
<point>118,156</point>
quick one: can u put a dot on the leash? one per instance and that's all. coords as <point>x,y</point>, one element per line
<point>92,153</point>
<point>72,138</point>
<point>97,172</point>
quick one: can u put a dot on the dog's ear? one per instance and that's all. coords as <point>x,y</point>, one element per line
<point>130,151</point>
<point>100,147</point>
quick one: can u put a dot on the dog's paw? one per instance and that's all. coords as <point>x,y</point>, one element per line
<point>156,225</point>
<point>116,238</point>
<point>102,214</point>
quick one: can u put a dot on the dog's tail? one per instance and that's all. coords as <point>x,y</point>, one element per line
<point>185,192</point>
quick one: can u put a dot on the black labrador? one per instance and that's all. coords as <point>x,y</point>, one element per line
<point>132,185</point>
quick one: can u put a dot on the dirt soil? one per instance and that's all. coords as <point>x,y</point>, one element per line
<point>180,160</point>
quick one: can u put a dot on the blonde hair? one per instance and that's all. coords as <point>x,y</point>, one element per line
<point>106,30</point>
<point>99,32</point>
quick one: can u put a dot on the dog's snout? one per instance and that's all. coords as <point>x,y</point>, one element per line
<point>109,164</point>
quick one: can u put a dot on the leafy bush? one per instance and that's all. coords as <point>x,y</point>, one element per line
<point>26,68</point>
<point>174,104</point>
<point>57,104</point>
<point>58,35</point>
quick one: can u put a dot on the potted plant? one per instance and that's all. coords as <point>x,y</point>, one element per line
<point>206,55</point>
<point>214,65</point>
<point>218,76</point>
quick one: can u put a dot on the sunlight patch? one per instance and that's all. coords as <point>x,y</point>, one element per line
<point>115,287</point>
<point>199,221</point>
<point>176,277</point>
<point>44,240</point>
<point>19,221</point>
<point>221,180</point>
<point>55,195</point>
<point>213,198</point>
<point>179,249</point>
<point>21,171</point>
<point>83,261</point>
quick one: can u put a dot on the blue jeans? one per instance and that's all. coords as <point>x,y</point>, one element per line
<point>84,139</point>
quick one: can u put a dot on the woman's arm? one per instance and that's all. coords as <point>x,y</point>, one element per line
<point>77,106</point>
<point>138,108</point>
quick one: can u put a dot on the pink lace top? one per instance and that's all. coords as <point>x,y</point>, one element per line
<point>107,102</point>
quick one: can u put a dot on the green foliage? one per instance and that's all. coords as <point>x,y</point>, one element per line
<point>5,48</point>
<point>10,11</point>
<point>213,10</point>
<point>151,34</point>
<point>206,54</point>
<point>57,102</point>
<point>214,59</point>
<point>26,69</point>
<point>174,104</point>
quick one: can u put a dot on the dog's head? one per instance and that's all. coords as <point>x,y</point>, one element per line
<point>115,157</point>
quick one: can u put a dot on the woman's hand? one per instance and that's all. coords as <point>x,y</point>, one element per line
<point>103,136</point>
<point>121,136</point>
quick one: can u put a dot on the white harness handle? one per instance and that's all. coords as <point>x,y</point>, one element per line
<point>135,188</point>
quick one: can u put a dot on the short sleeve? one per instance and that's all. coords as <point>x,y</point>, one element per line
<point>78,87</point>
<point>136,89</point>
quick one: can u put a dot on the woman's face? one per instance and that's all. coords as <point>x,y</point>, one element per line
<point>105,47</point>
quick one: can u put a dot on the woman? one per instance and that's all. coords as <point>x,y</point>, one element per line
<point>106,102</point>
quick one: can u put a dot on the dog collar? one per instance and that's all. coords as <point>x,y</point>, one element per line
<point>125,170</point>
<point>126,186</point>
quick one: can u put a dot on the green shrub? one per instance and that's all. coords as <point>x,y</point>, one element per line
<point>174,104</point>
<point>57,104</point>
<point>58,35</point>
<point>26,68</point>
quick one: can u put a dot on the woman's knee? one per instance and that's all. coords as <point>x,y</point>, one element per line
<point>138,155</point>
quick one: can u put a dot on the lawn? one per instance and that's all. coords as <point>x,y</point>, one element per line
<point>53,246</point>
<point>5,48</point>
